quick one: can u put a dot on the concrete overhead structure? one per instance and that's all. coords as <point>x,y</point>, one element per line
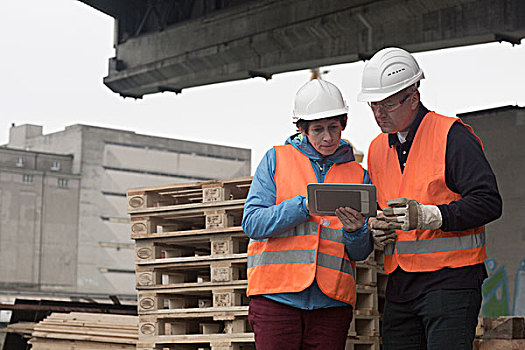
<point>107,162</point>
<point>175,44</point>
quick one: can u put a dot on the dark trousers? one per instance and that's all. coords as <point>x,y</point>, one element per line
<point>281,327</point>
<point>437,320</point>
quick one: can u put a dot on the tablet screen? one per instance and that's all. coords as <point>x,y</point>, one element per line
<point>331,200</point>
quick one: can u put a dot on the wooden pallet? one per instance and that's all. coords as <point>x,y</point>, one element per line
<point>214,244</point>
<point>363,343</point>
<point>242,341</point>
<point>142,199</point>
<point>192,297</point>
<point>501,344</point>
<point>376,257</point>
<point>172,272</point>
<point>196,219</point>
<point>366,299</point>
<point>505,327</point>
<point>211,321</point>
<point>364,325</point>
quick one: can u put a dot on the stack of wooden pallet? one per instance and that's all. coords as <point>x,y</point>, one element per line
<point>501,333</point>
<point>191,269</point>
<point>371,285</point>
<point>85,331</point>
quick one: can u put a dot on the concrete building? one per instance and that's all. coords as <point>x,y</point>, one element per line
<point>108,162</point>
<point>501,130</point>
<point>38,220</point>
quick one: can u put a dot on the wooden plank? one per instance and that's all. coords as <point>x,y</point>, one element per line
<point>94,338</point>
<point>58,344</point>
<point>198,338</point>
<point>188,234</point>
<point>502,344</point>
<point>196,287</point>
<point>505,327</point>
<point>238,181</point>
<point>85,331</point>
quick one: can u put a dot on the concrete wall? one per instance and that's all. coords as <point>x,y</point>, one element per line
<point>502,132</point>
<point>110,162</point>
<point>38,221</point>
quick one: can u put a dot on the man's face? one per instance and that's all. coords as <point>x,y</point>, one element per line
<point>395,113</point>
<point>324,135</point>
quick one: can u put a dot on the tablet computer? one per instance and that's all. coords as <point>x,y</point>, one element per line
<point>325,198</point>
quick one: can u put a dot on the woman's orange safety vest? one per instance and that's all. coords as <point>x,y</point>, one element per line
<point>289,262</point>
<point>423,179</point>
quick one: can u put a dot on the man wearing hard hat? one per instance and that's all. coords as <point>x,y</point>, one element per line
<point>301,267</point>
<point>437,192</point>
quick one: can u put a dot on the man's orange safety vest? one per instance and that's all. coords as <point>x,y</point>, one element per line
<point>289,262</point>
<point>423,179</point>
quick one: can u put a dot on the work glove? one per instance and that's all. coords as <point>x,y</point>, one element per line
<point>407,214</point>
<point>382,232</point>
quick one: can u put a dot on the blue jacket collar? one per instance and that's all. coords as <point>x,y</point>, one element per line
<point>343,154</point>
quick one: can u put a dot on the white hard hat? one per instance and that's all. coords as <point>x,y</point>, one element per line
<point>318,99</point>
<point>389,71</point>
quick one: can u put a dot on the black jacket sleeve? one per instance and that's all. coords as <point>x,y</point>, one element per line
<point>469,174</point>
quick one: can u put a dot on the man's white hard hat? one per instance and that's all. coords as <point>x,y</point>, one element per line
<point>389,71</point>
<point>318,99</point>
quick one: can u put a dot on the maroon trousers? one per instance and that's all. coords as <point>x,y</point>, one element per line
<point>278,326</point>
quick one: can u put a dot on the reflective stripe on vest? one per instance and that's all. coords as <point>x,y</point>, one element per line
<point>423,179</point>
<point>282,257</point>
<point>335,263</point>
<point>308,228</point>
<point>441,244</point>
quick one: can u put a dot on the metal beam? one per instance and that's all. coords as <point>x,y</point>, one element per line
<point>261,38</point>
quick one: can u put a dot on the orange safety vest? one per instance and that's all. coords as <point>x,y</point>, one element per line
<point>289,262</point>
<point>423,179</point>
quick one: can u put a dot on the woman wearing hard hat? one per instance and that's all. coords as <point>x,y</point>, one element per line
<point>301,267</point>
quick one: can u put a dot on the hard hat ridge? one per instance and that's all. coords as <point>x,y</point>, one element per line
<point>389,71</point>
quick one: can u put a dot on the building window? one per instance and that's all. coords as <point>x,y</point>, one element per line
<point>27,178</point>
<point>19,161</point>
<point>55,166</point>
<point>62,183</point>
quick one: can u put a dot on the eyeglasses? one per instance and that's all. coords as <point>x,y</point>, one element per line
<point>389,106</point>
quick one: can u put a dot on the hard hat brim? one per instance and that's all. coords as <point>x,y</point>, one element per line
<point>321,115</point>
<point>375,95</point>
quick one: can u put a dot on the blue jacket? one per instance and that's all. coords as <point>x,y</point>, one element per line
<point>263,219</point>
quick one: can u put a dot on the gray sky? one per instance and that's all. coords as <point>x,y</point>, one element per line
<point>55,54</point>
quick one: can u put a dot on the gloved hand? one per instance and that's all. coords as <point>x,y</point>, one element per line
<point>407,214</point>
<point>382,232</point>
